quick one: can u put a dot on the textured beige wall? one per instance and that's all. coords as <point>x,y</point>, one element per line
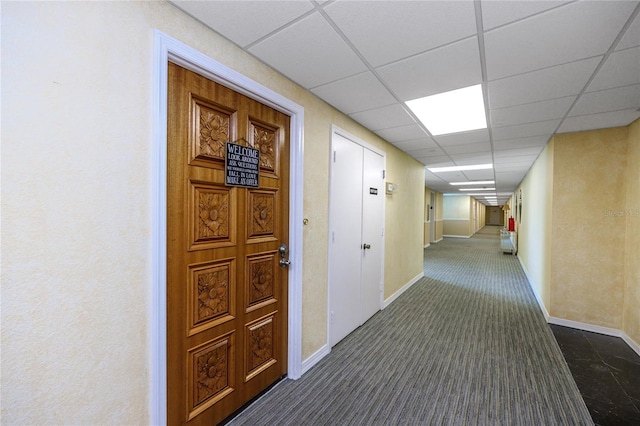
<point>456,228</point>
<point>588,246</point>
<point>439,215</point>
<point>497,212</point>
<point>631,311</point>
<point>76,204</point>
<point>404,221</point>
<point>534,233</point>
<point>480,216</point>
<point>457,214</point>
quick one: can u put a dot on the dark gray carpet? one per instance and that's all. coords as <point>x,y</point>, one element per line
<point>466,345</point>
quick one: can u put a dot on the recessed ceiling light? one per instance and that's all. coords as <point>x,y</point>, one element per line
<point>455,111</point>
<point>476,189</point>
<point>476,182</point>
<point>459,168</point>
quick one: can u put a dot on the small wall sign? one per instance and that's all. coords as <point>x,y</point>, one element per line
<point>373,191</point>
<point>242,166</point>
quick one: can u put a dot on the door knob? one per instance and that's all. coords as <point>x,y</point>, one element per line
<point>284,263</point>
<point>366,246</point>
<point>283,250</point>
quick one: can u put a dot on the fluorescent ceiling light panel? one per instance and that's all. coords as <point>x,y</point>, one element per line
<point>476,189</point>
<point>456,111</point>
<point>477,182</point>
<point>460,168</point>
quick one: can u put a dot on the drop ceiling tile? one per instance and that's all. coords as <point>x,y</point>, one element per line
<point>447,68</point>
<point>427,152</point>
<point>515,160</point>
<point>576,31</point>
<point>530,113</point>
<point>385,31</point>
<point>247,21</point>
<point>631,38</point>
<point>607,100</point>
<point>310,44</point>
<point>599,121</point>
<point>415,144</point>
<point>405,133</point>
<point>438,161</point>
<point>532,141</point>
<point>468,148</point>
<point>514,167</point>
<point>622,68</point>
<point>384,117</point>
<point>554,82</point>
<point>496,13</point>
<point>472,158</point>
<point>515,177</point>
<point>463,138</point>
<point>478,174</point>
<point>517,152</point>
<point>540,128</point>
<point>356,93</point>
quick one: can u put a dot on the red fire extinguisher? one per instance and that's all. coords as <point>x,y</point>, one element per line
<point>512,224</point>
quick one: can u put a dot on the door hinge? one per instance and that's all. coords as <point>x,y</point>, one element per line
<point>334,156</point>
<point>384,174</point>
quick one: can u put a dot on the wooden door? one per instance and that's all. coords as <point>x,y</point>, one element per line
<point>226,293</point>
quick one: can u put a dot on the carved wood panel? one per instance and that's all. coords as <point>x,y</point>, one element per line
<point>211,127</point>
<point>265,139</point>
<point>262,276</point>
<point>262,214</point>
<point>212,218</point>
<point>259,349</point>
<point>211,374</point>
<point>211,294</point>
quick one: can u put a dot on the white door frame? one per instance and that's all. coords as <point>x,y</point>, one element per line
<point>167,49</point>
<point>335,130</point>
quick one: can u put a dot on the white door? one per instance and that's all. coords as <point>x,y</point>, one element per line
<point>356,249</point>
<point>373,194</point>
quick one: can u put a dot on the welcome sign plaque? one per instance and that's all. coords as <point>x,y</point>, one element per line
<point>242,166</point>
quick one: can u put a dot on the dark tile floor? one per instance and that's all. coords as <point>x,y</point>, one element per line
<point>607,372</point>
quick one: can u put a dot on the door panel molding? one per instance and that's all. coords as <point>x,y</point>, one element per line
<point>165,49</point>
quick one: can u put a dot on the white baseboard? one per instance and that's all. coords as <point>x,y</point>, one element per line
<point>427,245</point>
<point>402,289</point>
<point>457,236</point>
<point>437,241</point>
<point>576,324</point>
<point>308,363</point>
<point>543,308</point>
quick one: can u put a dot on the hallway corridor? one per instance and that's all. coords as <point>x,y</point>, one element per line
<point>465,345</point>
